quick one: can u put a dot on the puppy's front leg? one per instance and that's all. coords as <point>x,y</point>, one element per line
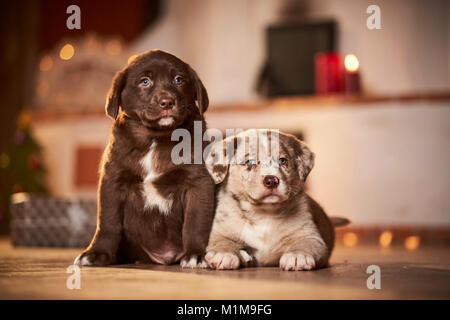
<point>306,254</point>
<point>225,254</point>
<point>103,247</point>
<point>198,218</point>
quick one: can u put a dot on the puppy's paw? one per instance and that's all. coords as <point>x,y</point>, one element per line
<point>222,260</point>
<point>296,261</point>
<point>194,262</point>
<point>93,258</point>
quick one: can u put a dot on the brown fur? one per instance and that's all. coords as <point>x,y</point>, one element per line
<point>127,229</point>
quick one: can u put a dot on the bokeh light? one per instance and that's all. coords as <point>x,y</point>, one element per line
<point>92,44</point>
<point>351,63</point>
<point>4,160</point>
<point>67,52</point>
<point>385,239</point>
<point>46,63</point>
<point>24,120</point>
<point>113,47</point>
<point>412,242</point>
<point>350,239</point>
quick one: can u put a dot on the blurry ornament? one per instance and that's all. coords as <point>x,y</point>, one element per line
<point>4,160</point>
<point>19,137</point>
<point>33,162</point>
<point>24,120</point>
<point>17,188</point>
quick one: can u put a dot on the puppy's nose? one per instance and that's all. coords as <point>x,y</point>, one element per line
<point>166,103</point>
<point>271,182</point>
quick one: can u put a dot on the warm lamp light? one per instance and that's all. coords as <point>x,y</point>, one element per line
<point>351,63</point>
<point>352,78</point>
<point>67,52</point>
<point>412,242</point>
<point>385,239</point>
<point>350,239</point>
<point>46,63</point>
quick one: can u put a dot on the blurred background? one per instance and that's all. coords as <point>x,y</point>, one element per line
<point>368,91</point>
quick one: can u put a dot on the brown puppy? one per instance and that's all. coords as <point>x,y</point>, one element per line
<point>263,216</point>
<point>150,209</point>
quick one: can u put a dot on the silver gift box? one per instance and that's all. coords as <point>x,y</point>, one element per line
<point>45,221</point>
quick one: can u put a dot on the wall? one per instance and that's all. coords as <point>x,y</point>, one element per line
<point>382,163</point>
<point>411,51</point>
<point>224,41</point>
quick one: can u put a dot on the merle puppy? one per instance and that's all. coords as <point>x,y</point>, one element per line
<point>264,217</point>
<point>149,208</point>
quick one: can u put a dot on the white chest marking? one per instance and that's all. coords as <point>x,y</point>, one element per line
<point>259,236</point>
<point>152,197</point>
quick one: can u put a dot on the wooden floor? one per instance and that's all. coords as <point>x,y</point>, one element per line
<point>32,273</point>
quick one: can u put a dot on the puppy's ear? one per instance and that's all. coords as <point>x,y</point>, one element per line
<point>113,101</point>
<point>304,158</point>
<point>216,163</point>
<point>218,172</point>
<point>220,155</point>
<point>200,92</point>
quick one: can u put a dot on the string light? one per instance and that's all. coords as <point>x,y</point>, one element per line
<point>46,63</point>
<point>350,239</point>
<point>67,52</point>
<point>385,239</point>
<point>412,242</point>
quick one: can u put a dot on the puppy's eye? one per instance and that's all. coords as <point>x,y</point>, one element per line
<point>282,161</point>
<point>145,82</point>
<point>251,163</point>
<point>178,79</point>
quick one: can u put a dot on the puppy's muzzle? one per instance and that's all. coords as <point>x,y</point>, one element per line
<point>271,182</point>
<point>166,103</point>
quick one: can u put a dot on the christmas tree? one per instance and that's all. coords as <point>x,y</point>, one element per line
<point>22,167</point>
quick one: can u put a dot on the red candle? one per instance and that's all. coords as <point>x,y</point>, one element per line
<point>328,73</point>
<point>352,78</point>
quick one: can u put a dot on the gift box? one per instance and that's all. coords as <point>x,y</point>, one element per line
<point>45,221</point>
